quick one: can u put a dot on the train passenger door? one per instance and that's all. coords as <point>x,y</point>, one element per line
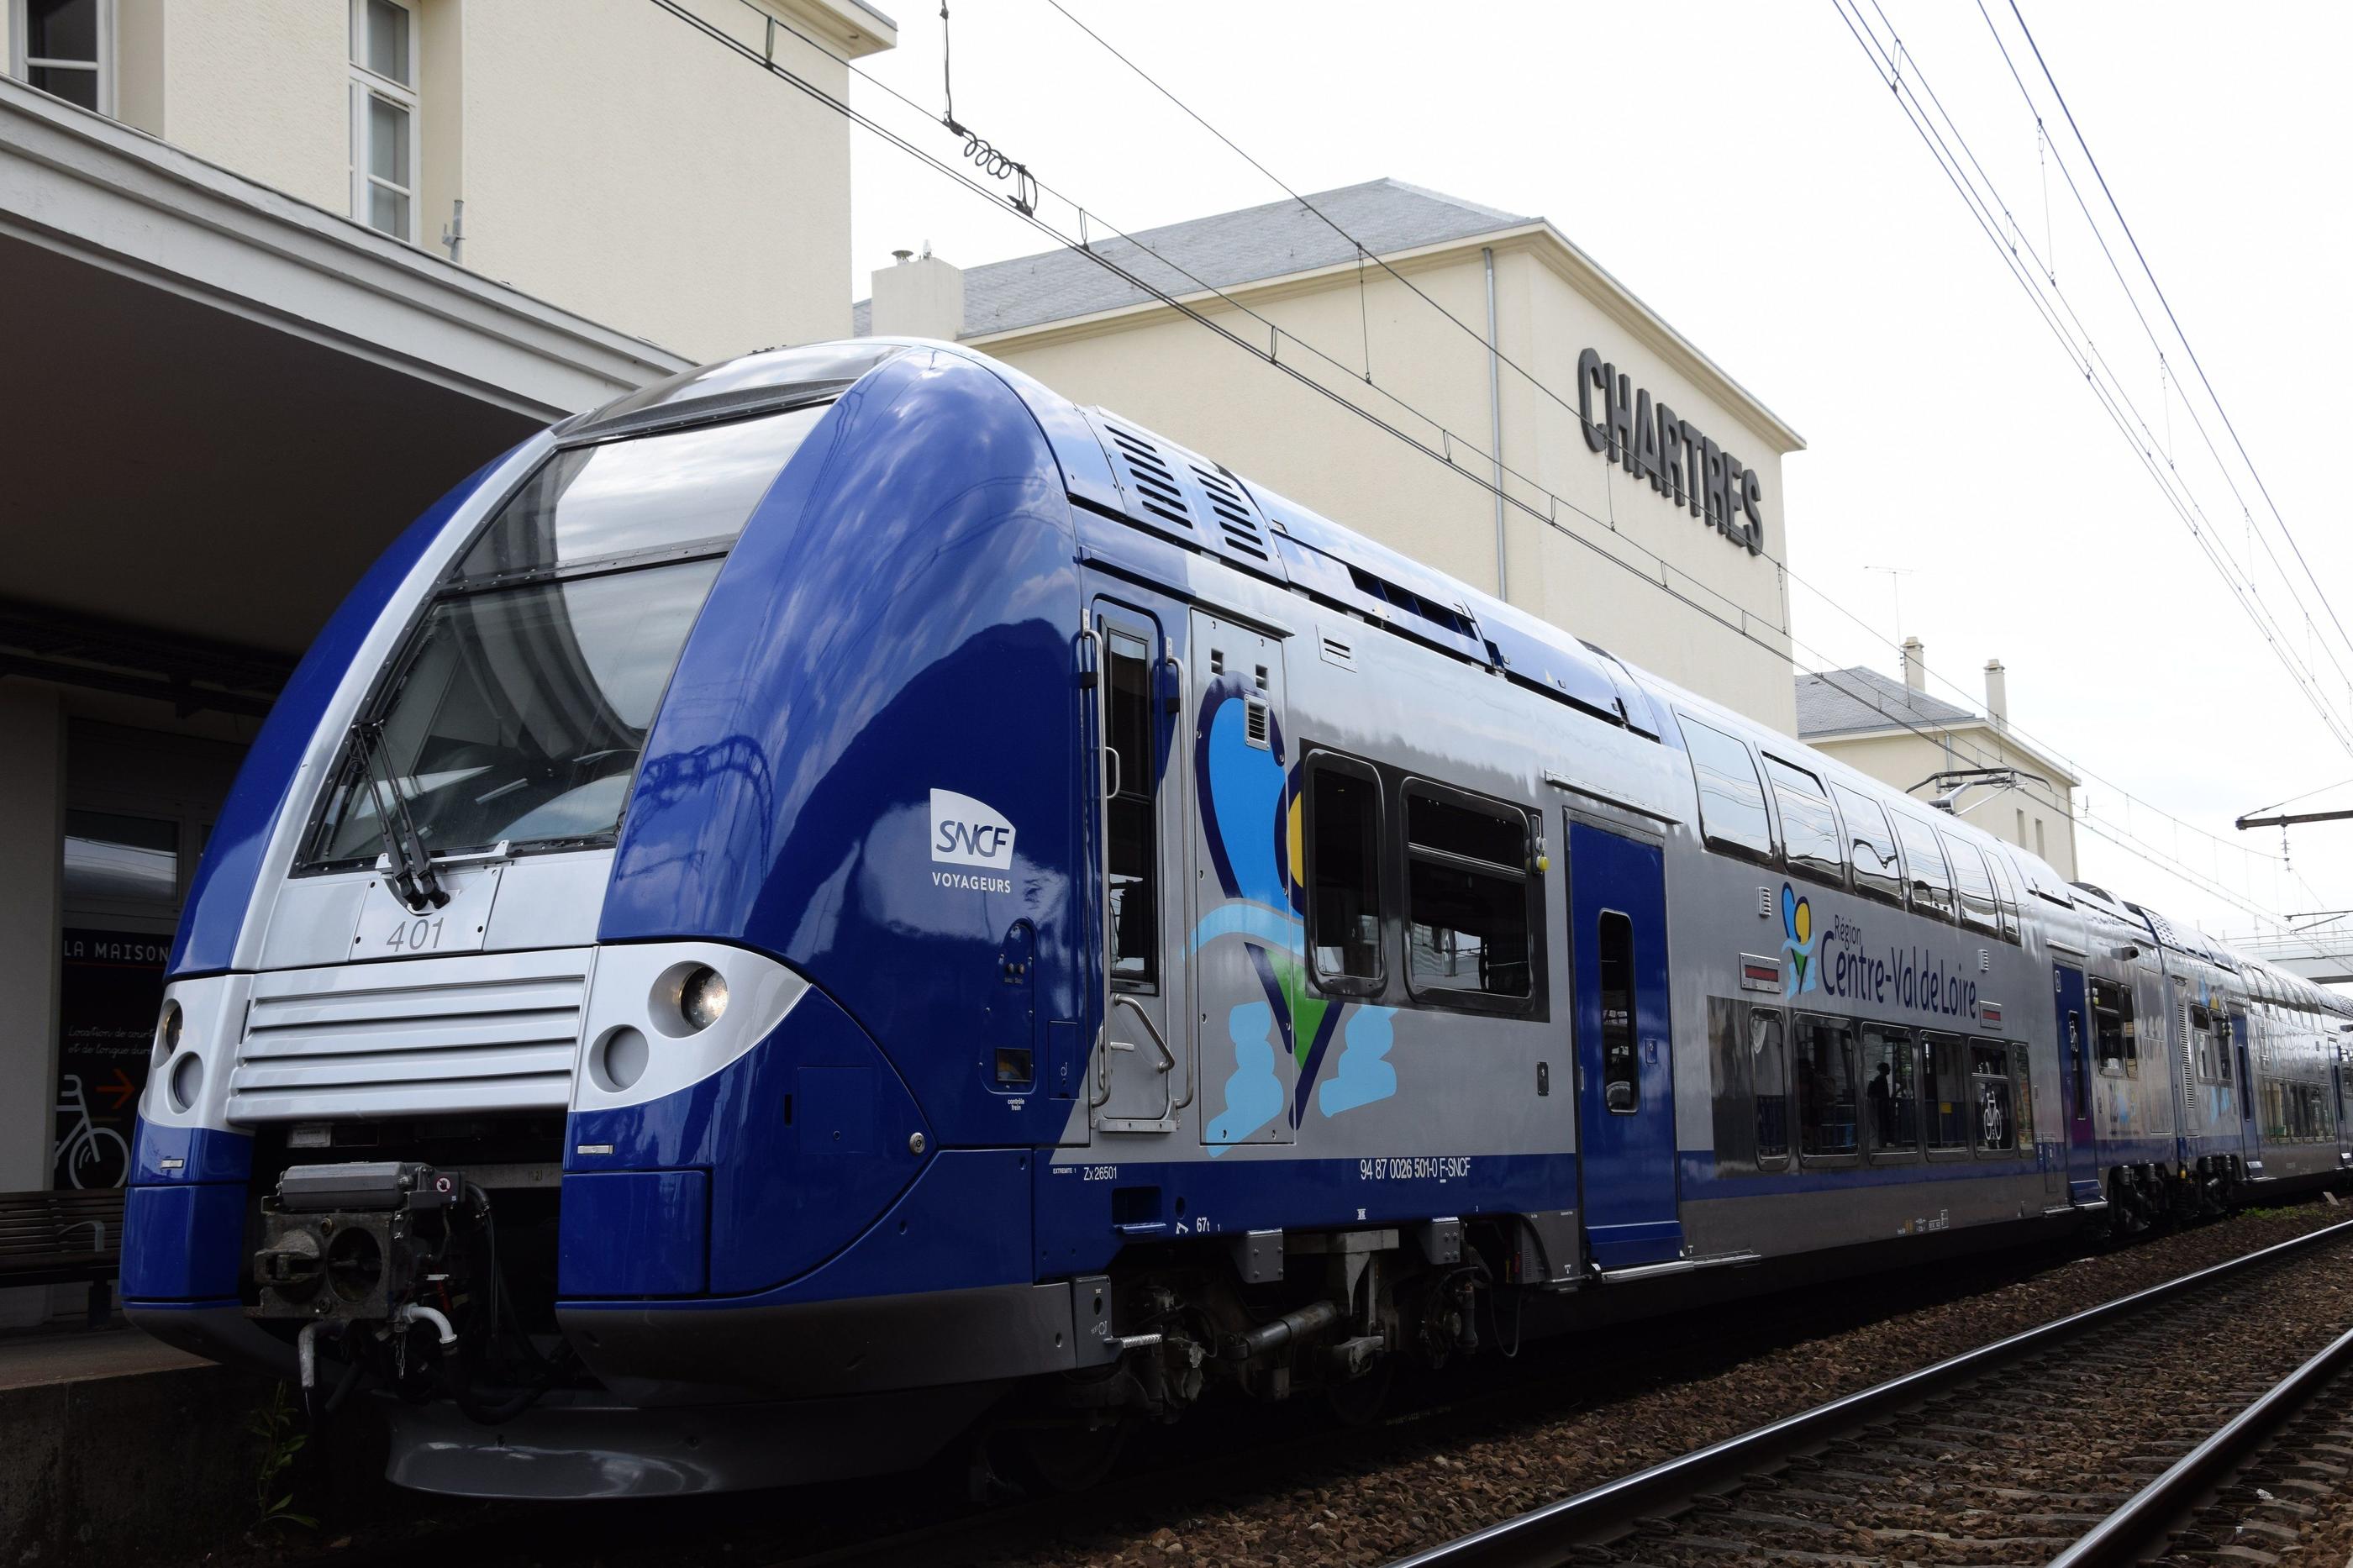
<point>1138,1079</point>
<point>2076,1066</point>
<point>1625,1069</point>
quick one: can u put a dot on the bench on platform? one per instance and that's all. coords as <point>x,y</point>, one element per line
<point>64,1238</point>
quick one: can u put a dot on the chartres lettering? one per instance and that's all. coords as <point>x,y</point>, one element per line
<point>1682,464</point>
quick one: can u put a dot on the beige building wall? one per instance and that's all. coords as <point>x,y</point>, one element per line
<point>2035,816</point>
<point>1159,368</point>
<point>613,160</point>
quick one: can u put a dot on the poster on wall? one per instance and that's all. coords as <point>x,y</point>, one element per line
<point>108,996</point>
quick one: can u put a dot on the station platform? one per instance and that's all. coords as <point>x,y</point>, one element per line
<point>114,1448</point>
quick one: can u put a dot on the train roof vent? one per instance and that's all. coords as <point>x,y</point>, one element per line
<point>1403,598</point>
<point>1232,511</point>
<point>1157,489</point>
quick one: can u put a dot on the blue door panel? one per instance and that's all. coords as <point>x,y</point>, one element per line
<point>1627,1155</point>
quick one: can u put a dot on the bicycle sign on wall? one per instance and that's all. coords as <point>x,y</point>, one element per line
<point>108,993</point>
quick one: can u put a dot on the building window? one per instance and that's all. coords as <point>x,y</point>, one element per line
<point>1344,851</point>
<point>1467,884</point>
<point>1731,802</point>
<point>66,47</point>
<point>2039,851</point>
<point>383,116</point>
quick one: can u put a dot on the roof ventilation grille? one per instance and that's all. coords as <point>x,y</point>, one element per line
<point>1233,512</point>
<point>1156,485</point>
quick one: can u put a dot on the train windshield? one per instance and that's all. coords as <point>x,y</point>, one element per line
<point>520,704</point>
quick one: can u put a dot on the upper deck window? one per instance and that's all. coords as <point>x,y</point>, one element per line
<point>1876,870</point>
<point>1731,802</point>
<point>1809,831</point>
<point>1931,878</point>
<point>518,709</point>
<point>686,493</point>
<point>1980,908</point>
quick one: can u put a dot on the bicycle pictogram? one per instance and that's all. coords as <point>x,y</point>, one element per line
<point>89,1155</point>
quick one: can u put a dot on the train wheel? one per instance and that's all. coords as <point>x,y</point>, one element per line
<point>1360,1400</point>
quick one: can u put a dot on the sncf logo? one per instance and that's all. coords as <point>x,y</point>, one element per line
<point>969,832</point>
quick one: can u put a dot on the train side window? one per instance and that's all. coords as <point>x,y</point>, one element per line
<point>1992,1110</point>
<point>1769,1071</point>
<point>1809,829</point>
<point>2112,1030</point>
<point>1731,802</point>
<point>1949,1092</point>
<point>1974,883</point>
<point>1344,879</point>
<point>1823,1066</point>
<point>1621,1078</point>
<point>1877,872</point>
<point>1891,1090</point>
<point>1134,887</point>
<point>2005,893</point>
<point>1931,881</point>
<point>1468,927</point>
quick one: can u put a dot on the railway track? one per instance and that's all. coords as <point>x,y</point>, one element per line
<point>2142,1430</point>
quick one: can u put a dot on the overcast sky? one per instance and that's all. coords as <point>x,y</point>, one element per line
<point>1742,169</point>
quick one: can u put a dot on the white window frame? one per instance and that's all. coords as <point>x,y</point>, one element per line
<point>21,65</point>
<point>365,84</point>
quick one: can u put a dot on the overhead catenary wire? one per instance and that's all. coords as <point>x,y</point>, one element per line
<point>2149,329</point>
<point>1268,355</point>
<point>1449,440</point>
<point>1481,341</point>
<point>1890,59</point>
<point>2113,205</point>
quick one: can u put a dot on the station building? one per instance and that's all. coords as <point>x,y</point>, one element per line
<point>1641,499</point>
<point>279,273</point>
<point>1993,776</point>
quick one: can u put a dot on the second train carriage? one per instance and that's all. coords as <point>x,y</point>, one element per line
<point>843,893</point>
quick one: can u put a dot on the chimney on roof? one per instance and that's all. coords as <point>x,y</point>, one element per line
<point>1997,694</point>
<point>1915,665</point>
<point>918,297</point>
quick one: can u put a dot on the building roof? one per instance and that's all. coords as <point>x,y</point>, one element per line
<point>1222,251</point>
<point>1848,701</point>
<point>1860,700</point>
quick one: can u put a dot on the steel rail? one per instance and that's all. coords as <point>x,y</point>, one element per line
<point>1544,1537</point>
<point>2148,1517</point>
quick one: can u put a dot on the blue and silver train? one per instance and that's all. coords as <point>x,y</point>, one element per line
<point>841,900</point>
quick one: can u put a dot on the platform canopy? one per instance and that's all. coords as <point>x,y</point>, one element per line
<point>223,402</point>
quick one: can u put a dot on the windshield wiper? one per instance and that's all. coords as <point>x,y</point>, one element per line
<point>412,880</point>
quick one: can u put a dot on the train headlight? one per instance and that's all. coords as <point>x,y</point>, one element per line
<point>167,1032</point>
<point>702,996</point>
<point>187,1082</point>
